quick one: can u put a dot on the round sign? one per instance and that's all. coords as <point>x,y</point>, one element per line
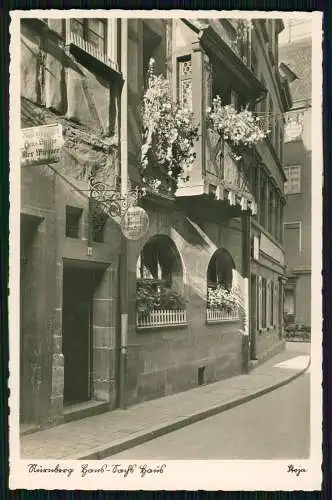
<point>293,129</point>
<point>135,223</point>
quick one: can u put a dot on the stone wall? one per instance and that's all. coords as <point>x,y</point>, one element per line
<point>166,360</point>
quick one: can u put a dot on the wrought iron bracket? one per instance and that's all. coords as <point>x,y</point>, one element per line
<point>111,200</point>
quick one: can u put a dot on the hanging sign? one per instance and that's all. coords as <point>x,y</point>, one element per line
<point>41,144</point>
<point>134,223</point>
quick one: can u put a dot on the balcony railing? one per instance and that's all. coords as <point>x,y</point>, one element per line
<point>161,318</point>
<point>219,316</point>
<point>89,48</point>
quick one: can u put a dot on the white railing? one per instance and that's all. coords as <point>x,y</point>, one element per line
<point>77,40</point>
<point>161,318</point>
<point>218,316</point>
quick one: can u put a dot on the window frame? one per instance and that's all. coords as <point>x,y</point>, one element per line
<point>84,22</point>
<point>73,222</point>
<point>287,171</point>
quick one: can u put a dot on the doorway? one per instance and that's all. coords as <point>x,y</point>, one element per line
<point>77,328</point>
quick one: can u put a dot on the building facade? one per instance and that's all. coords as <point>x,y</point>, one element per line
<point>86,344</point>
<point>296,56</point>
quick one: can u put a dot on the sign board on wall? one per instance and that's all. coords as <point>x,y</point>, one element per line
<point>41,145</point>
<point>271,249</point>
<point>134,223</point>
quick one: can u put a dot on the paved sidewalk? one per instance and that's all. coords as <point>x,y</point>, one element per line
<point>102,435</point>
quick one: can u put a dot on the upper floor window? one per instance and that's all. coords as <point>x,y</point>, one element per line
<point>152,49</point>
<point>262,198</point>
<point>185,82</point>
<point>293,183</point>
<point>73,222</point>
<point>271,210</point>
<point>92,31</point>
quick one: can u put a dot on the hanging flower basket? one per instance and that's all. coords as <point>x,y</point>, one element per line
<point>169,136</point>
<point>241,129</point>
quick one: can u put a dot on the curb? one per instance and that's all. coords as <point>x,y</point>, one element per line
<point>124,444</point>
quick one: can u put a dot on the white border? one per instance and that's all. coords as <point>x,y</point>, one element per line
<point>192,475</point>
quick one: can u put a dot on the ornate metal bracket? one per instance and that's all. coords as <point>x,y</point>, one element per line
<point>110,199</point>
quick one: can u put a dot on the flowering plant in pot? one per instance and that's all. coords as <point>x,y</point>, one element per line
<point>240,129</point>
<point>222,299</point>
<point>151,296</point>
<point>169,136</point>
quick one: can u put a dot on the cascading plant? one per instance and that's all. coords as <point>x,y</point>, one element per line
<point>169,136</point>
<point>240,129</point>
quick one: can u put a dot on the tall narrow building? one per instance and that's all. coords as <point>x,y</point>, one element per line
<point>295,54</point>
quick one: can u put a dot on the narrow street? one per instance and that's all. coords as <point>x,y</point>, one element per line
<point>273,426</point>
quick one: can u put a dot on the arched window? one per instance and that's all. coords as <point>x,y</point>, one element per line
<point>220,270</point>
<point>222,302</point>
<point>159,299</point>
<point>159,261</point>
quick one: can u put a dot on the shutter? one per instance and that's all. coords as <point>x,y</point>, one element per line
<point>268,302</point>
<point>276,305</point>
<point>259,302</point>
<point>207,81</point>
<point>185,82</point>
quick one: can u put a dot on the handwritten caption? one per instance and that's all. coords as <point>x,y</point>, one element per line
<point>86,470</point>
<point>298,470</point>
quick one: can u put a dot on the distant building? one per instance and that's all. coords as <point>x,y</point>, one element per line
<point>296,56</point>
<point>85,345</point>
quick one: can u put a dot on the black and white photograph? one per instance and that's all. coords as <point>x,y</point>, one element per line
<point>165,308</point>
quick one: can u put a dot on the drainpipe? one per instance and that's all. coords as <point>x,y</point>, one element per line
<point>123,271</point>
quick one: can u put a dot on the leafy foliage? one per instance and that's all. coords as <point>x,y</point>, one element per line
<point>238,128</point>
<point>150,296</point>
<point>220,298</point>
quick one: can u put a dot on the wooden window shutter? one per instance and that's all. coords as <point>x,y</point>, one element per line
<point>268,304</point>
<point>259,302</point>
<point>276,303</point>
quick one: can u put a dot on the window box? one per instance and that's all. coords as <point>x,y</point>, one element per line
<point>161,318</point>
<point>220,316</point>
